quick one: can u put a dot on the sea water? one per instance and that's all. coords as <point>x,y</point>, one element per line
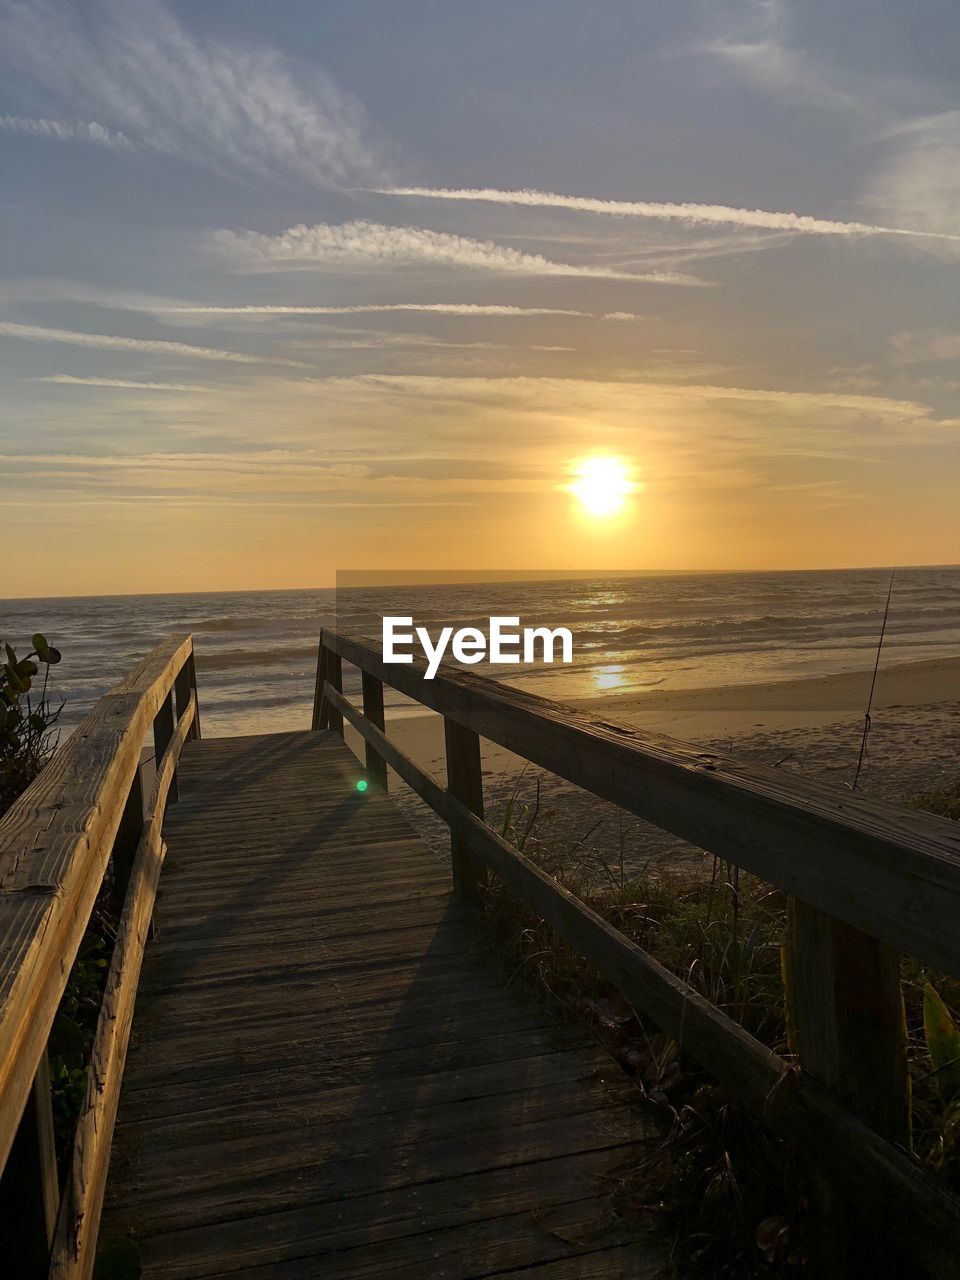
<point>256,650</point>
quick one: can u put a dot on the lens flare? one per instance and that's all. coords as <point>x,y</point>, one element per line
<point>362,784</point>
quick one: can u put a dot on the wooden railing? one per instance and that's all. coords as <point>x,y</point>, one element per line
<point>83,815</point>
<point>866,881</point>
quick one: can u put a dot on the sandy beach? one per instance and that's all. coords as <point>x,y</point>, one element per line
<point>809,726</point>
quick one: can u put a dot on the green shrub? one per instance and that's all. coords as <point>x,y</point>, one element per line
<point>27,718</point>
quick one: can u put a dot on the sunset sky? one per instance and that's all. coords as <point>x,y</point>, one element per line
<point>300,287</point>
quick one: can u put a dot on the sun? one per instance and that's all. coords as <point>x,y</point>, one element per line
<point>602,485</point>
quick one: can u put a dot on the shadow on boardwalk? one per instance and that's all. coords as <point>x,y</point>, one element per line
<point>328,1078</point>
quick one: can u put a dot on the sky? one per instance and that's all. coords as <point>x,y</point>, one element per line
<point>294,288</point>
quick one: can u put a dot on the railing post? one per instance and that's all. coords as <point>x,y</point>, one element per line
<point>334,674</point>
<point>373,710</point>
<point>127,838</point>
<point>846,1024</point>
<point>185,683</point>
<point>192,667</point>
<point>29,1188</point>
<point>465,781</point>
<point>317,721</point>
<point>164,725</point>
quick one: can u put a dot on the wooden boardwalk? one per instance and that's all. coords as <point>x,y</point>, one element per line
<point>327,1076</point>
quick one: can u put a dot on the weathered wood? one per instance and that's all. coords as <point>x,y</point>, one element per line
<point>318,720</point>
<point>892,872</point>
<point>740,1061</point>
<point>846,1018</point>
<point>74,1246</point>
<point>532,1190</point>
<point>925,1213</point>
<point>334,676</point>
<point>55,843</point>
<point>373,710</point>
<point>29,1187</point>
<point>182,690</point>
<point>191,666</point>
<point>846,1025</point>
<point>465,781</point>
<point>164,725</point>
<point>127,839</point>
<point>260,1085</point>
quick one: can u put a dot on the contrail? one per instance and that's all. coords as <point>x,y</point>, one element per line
<point>694,214</point>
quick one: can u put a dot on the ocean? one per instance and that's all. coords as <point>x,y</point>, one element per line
<point>256,650</point>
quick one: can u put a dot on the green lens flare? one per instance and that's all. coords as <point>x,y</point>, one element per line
<point>362,784</point>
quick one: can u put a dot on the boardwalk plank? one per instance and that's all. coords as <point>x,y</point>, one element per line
<point>327,1075</point>
<point>383,1216</point>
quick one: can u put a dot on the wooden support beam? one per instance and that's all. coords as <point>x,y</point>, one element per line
<point>29,1188</point>
<point>164,724</point>
<point>192,680</point>
<point>319,707</point>
<point>465,781</point>
<point>181,689</point>
<point>127,838</point>
<point>373,710</point>
<point>846,1025</point>
<point>334,676</point>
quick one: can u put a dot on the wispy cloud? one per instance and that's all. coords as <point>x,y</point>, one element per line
<point>122,384</point>
<point>416,438</point>
<point>66,131</point>
<point>916,183</point>
<point>362,243</point>
<point>241,108</point>
<point>366,339</point>
<point>920,179</point>
<point>43,289</point>
<point>915,348</point>
<point>691,214</point>
<point>152,346</point>
<point>468,309</point>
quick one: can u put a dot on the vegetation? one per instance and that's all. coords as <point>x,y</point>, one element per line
<point>27,720</point>
<point>726,1189</point>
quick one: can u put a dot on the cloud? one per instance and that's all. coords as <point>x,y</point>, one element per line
<point>439,308</point>
<point>420,439</point>
<point>362,243</point>
<point>153,346</point>
<point>691,214</point>
<point>131,64</point>
<point>915,184</point>
<point>366,339</point>
<point>124,384</point>
<point>914,348</point>
<point>877,407</point>
<point>920,179</point>
<point>66,131</point>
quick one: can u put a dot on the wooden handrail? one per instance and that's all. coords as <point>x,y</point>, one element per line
<point>890,871</point>
<point>795,1106</point>
<point>56,843</point>
<point>860,873</point>
<point>74,1246</point>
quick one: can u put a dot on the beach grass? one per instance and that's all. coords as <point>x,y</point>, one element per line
<point>727,1191</point>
